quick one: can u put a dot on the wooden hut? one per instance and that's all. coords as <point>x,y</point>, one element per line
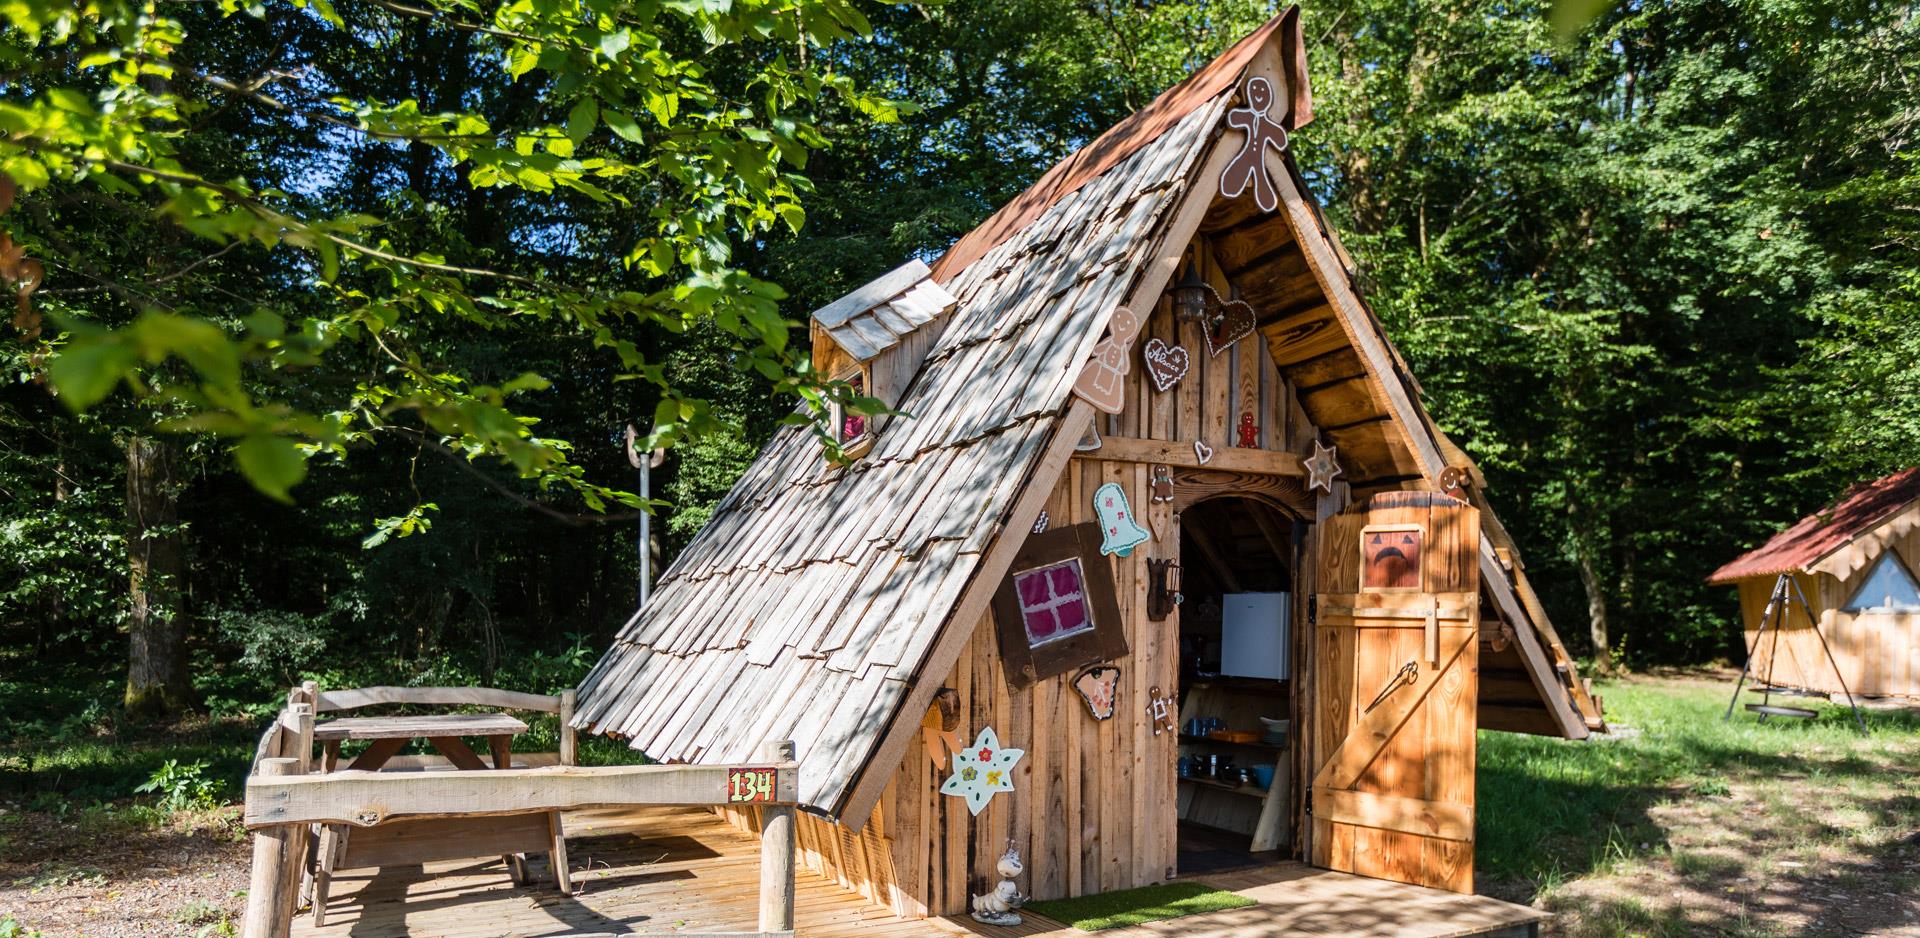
<point>1158,475</point>
<point>1855,560</point>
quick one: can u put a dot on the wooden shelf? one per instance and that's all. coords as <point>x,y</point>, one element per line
<point>1229,682</point>
<point>1223,786</point>
<point>1208,740</point>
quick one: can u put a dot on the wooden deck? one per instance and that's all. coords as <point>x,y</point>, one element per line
<point>681,870</point>
<point>1296,899</point>
<point>636,871</point>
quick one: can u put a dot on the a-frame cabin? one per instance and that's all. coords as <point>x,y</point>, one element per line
<point>1308,548</point>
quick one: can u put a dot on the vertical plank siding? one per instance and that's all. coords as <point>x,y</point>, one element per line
<point>1093,806</point>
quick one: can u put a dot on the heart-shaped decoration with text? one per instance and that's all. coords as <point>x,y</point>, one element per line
<point>1236,323</point>
<point>1166,364</point>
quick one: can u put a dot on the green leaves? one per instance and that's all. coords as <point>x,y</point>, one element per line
<point>339,340</point>
<point>582,119</point>
<point>84,376</point>
<point>623,126</point>
<point>273,464</point>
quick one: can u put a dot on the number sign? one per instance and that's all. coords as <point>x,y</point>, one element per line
<point>746,786</point>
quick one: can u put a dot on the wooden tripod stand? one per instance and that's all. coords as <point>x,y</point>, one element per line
<point>1775,620</point>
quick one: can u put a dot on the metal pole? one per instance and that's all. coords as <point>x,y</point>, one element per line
<point>646,532</point>
<point>644,466</point>
<point>1776,601</point>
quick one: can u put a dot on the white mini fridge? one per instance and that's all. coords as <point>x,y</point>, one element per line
<point>1254,634</point>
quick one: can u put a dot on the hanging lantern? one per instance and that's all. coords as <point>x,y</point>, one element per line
<point>1191,297</point>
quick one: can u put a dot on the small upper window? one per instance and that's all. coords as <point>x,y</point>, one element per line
<point>851,430</point>
<point>854,426</point>
<point>1890,587</point>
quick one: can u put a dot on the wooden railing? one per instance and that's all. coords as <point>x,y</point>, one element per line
<point>286,798</point>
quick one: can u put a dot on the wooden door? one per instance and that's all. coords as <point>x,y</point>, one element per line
<point>1395,660</point>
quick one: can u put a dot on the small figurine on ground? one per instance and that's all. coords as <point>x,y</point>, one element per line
<point>997,907</point>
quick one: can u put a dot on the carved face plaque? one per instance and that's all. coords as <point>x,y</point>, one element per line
<point>1390,557</point>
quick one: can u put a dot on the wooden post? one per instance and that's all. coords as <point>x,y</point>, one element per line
<point>557,856</point>
<point>300,837</point>
<point>566,727</point>
<point>776,851</point>
<point>269,914</point>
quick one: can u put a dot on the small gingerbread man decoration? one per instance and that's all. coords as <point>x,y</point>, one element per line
<point>1249,433</point>
<point>1250,165</point>
<point>1103,380</point>
<point>1161,484</point>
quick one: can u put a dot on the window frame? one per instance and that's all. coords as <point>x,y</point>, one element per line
<point>1054,601</point>
<point>858,446</point>
<point>1887,556</point>
<point>1026,661</point>
<point>1419,563</point>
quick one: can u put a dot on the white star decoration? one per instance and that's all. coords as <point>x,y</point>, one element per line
<point>1321,468</point>
<point>981,772</point>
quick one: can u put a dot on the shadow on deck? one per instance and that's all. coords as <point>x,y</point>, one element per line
<point>637,871</point>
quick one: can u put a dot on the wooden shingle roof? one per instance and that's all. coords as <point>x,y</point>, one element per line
<point>877,316</point>
<point>805,607</point>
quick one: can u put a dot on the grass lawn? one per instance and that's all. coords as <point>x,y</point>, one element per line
<point>1139,906</point>
<point>1685,825</point>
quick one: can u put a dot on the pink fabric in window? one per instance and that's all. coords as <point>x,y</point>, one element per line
<point>1032,588</point>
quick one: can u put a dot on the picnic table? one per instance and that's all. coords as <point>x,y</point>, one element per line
<point>421,840</point>
<point>443,731</point>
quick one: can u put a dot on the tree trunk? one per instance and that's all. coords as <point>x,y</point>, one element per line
<point>1596,609</point>
<point>157,680</point>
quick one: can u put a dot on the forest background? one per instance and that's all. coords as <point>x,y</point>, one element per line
<point>1660,278</point>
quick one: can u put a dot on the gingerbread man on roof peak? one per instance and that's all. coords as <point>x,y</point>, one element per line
<point>1249,166</point>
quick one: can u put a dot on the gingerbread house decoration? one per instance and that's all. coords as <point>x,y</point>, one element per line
<point>1336,644</point>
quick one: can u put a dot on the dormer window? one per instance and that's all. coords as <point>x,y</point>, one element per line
<point>851,429</point>
<point>875,339</point>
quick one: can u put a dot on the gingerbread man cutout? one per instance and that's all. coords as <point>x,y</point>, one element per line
<point>1250,164</point>
<point>1249,432</point>
<point>1103,380</point>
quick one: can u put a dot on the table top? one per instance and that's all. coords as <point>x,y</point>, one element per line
<point>408,727</point>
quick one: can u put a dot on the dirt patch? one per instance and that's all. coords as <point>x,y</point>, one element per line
<point>1789,856</point>
<point>123,872</point>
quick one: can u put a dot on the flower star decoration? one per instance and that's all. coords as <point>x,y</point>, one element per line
<point>981,772</point>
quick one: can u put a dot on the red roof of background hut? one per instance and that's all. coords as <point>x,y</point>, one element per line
<point>1826,530</point>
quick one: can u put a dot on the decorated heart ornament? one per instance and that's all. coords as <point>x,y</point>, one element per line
<point>1236,323</point>
<point>1202,452</point>
<point>1166,364</point>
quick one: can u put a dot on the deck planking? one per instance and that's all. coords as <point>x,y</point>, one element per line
<point>1296,899</point>
<point>664,870</point>
<point>671,870</point>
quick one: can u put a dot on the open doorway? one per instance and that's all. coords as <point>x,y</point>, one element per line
<point>1235,788</point>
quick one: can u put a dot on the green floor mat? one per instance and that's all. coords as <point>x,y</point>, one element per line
<point>1135,906</point>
